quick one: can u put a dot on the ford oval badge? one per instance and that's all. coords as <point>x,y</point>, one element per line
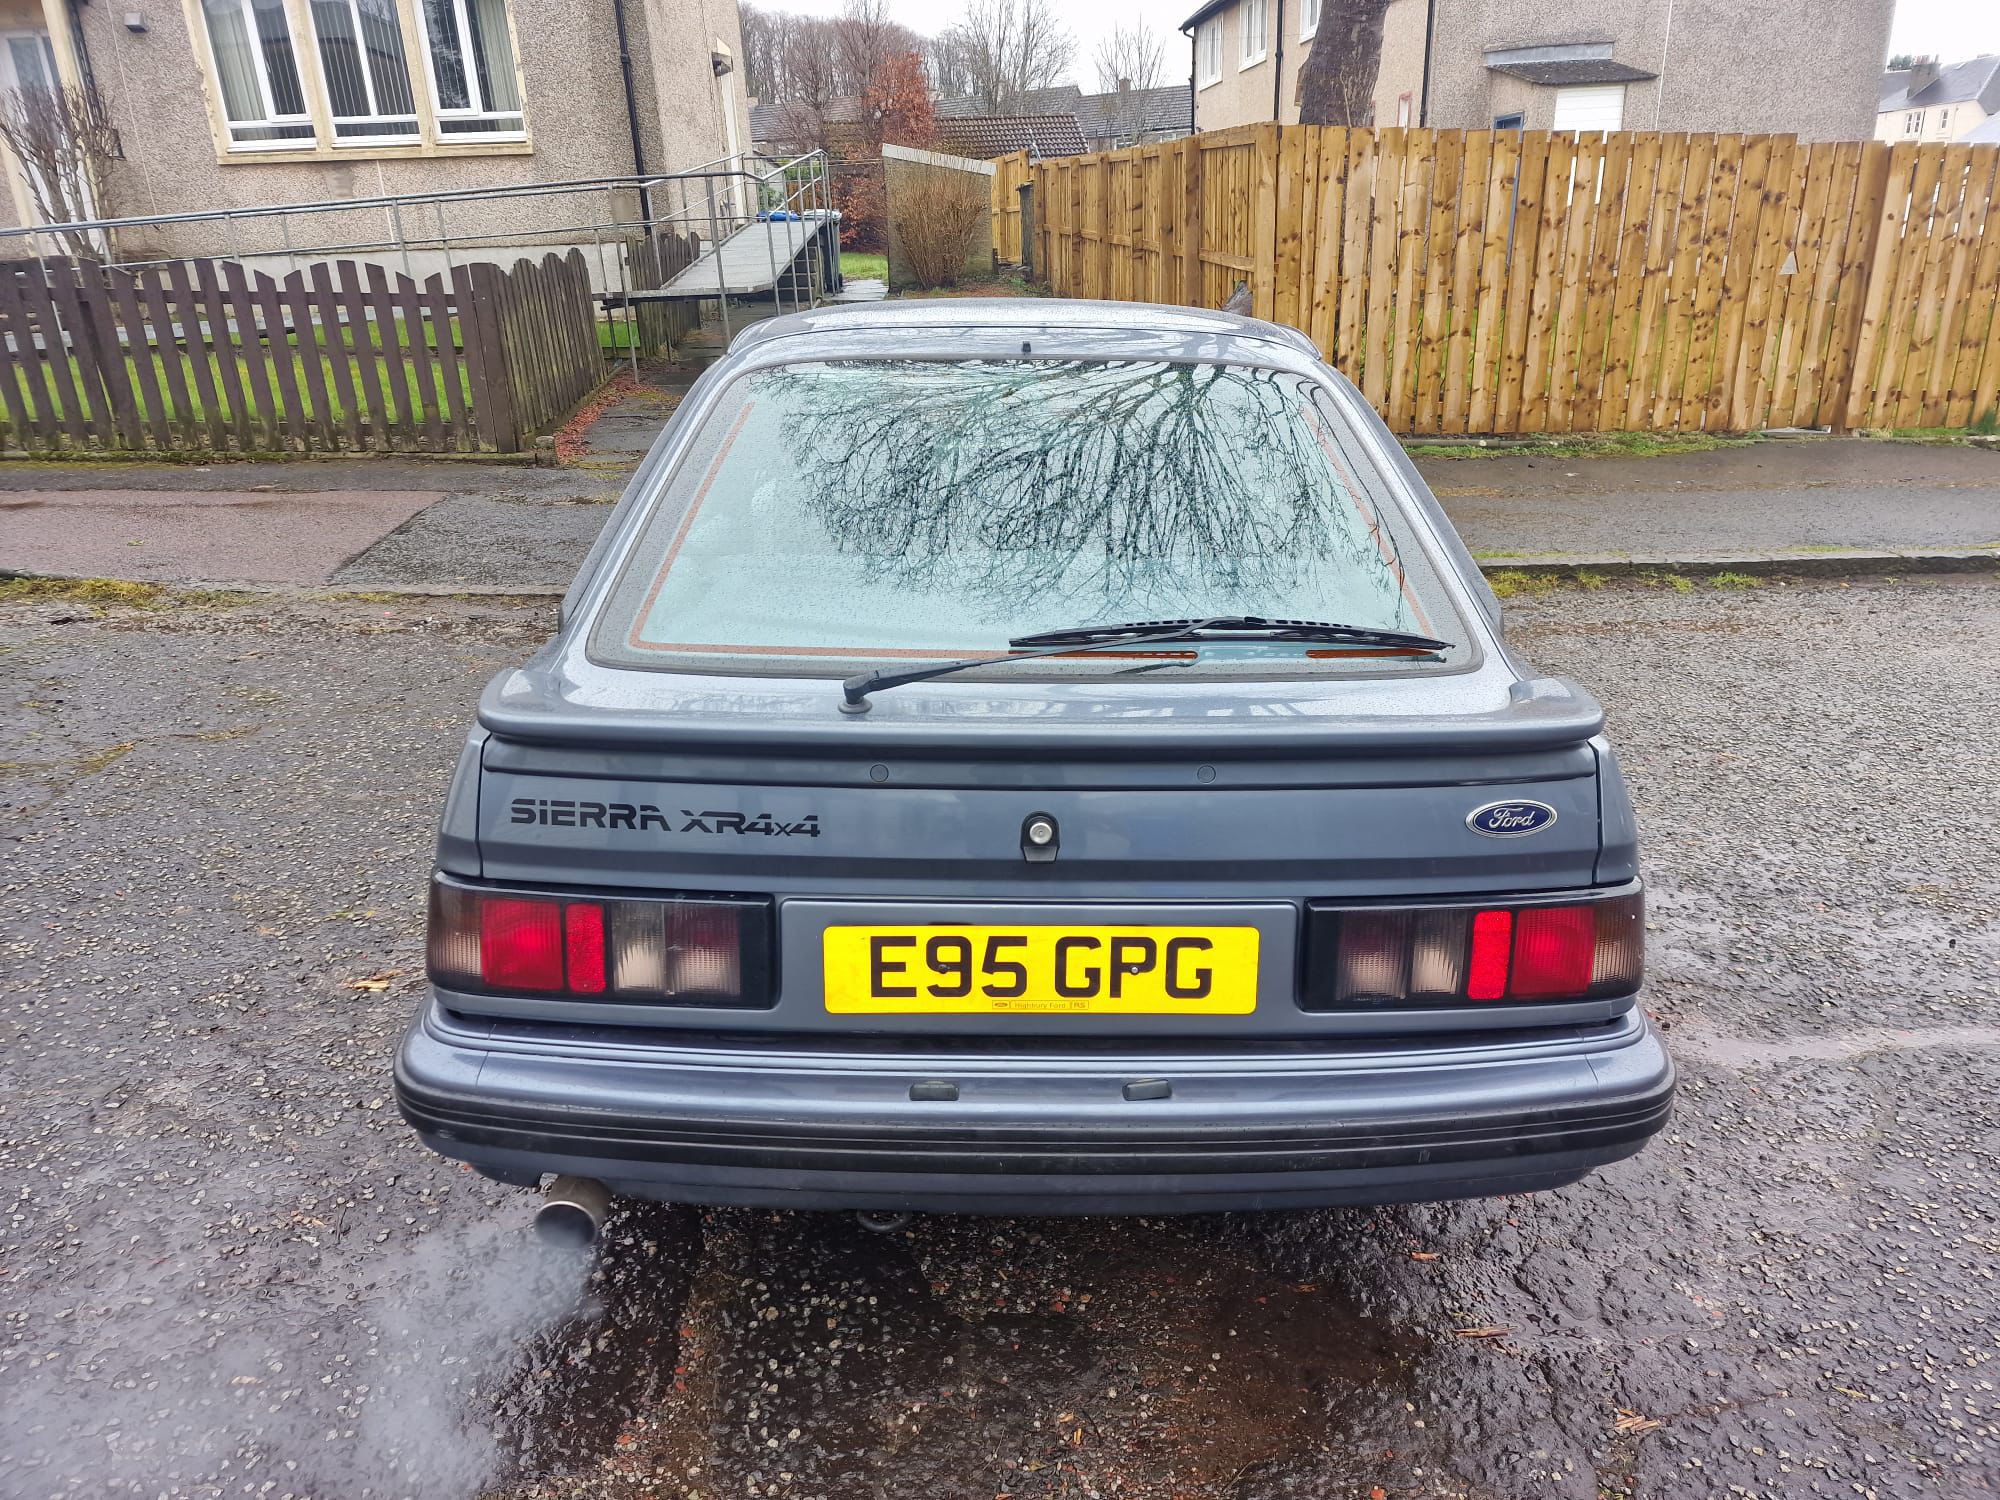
<point>1510,820</point>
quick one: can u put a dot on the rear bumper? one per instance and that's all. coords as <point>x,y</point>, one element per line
<point>1036,1131</point>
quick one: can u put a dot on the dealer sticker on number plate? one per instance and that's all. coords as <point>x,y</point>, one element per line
<point>1135,971</point>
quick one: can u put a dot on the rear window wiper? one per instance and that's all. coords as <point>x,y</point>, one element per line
<point>1237,628</point>
<point>855,690</point>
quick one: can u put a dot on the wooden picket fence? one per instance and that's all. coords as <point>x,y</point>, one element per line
<point>339,356</point>
<point>1500,281</point>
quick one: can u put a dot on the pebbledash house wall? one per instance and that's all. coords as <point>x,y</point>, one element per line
<point>1713,58</point>
<point>162,99</point>
<point>1809,68</point>
<point>1244,94</point>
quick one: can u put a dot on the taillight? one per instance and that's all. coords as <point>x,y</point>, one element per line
<point>684,951</point>
<point>1371,958</point>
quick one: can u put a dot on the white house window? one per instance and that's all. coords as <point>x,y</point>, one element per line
<point>367,79</point>
<point>1208,51</point>
<point>1256,18</point>
<point>1595,107</point>
<point>1308,19</point>
<point>472,68</point>
<point>1913,122</point>
<point>368,90</point>
<point>1944,123</point>
<point>251,43</point>
<point>29,63</point>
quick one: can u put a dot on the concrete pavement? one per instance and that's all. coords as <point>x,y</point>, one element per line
<point>1751,499</point>
<point>392,523</point>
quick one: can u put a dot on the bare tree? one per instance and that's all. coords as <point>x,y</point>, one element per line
<point>811,75</point>
<point>1132,57</point>
<point>1010,48</point>
<point>1337,81</point>
<point>63,141</point>
<point>949,76</point>
<point>864,39</point>
<point>766,38</point>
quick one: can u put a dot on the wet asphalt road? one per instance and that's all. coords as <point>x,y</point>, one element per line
<point>226,1270</point>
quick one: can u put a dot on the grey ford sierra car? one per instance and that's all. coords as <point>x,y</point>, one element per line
<point>1039,757</point>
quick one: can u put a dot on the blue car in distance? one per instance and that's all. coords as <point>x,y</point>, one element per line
<point>1032,757</point>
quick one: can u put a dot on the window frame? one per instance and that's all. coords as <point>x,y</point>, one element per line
<point>325,143</point>
<point>439,113</point>
<point>1262,9</point>
<point>211,74</point>
<point>1207,33</point>
<point>416,115</point>
<point>1308,19</point>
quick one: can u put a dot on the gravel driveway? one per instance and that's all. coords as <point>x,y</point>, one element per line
<point>225,1269</point>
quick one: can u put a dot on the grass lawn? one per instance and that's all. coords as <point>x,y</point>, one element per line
<point>33,383</point>
<point>864,267</point>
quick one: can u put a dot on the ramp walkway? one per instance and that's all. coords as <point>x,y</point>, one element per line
<point>751,260</point>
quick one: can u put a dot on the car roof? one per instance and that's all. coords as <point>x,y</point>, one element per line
<point>977,315</point>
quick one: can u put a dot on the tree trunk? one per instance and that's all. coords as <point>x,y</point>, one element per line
<point>1337,83</point>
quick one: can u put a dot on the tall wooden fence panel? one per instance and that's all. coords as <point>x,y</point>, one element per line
<point>1498,282</point>
<point>339,356</point>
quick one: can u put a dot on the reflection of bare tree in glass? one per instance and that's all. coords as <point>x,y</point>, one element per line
<point>1099,484</point>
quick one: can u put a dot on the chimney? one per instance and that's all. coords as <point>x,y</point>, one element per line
<point>1124,85</point>
<point>1923,73</point>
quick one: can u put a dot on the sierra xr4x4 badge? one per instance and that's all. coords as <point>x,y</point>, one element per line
<point>563,812</point>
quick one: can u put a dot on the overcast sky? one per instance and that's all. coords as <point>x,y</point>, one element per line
<point>1951,29</point>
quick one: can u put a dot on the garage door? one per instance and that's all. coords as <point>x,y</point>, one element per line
<point>1598,107</point>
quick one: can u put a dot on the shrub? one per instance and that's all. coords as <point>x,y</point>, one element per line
<point>941,223</point>
<point>859,197</point>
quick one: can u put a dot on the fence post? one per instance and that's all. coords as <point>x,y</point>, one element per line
<point>1026,192</point>
<point>1191,193</point>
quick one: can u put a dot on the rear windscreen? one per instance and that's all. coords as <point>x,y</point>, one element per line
<point>867,511</point>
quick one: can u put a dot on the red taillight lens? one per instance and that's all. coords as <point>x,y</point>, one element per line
<point>1554,948</point>
<point>1386,958</point>
<point>520,945</point>
<point>583,937</point>
<point>1492,946</point>
<point>713,951</point>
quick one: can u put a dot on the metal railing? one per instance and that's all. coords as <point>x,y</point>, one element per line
<point>610,219</point>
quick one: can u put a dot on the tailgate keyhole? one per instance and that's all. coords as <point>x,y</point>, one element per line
<point>1040,839</point>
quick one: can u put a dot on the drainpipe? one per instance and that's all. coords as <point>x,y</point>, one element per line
<point>1278,63</point>
<point>1430,32</point>
<point>632,112</point>
<point>1193,34</point>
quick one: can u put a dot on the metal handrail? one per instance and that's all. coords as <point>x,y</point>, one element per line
<point>628,182</point>
<point>716,200</point>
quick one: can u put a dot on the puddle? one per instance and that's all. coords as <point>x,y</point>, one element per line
<point>1019,1357</point>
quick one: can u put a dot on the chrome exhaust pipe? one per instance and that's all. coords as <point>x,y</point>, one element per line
<point>572,1212</point>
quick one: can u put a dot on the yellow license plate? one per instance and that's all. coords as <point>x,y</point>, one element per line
<point>953,970</point>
